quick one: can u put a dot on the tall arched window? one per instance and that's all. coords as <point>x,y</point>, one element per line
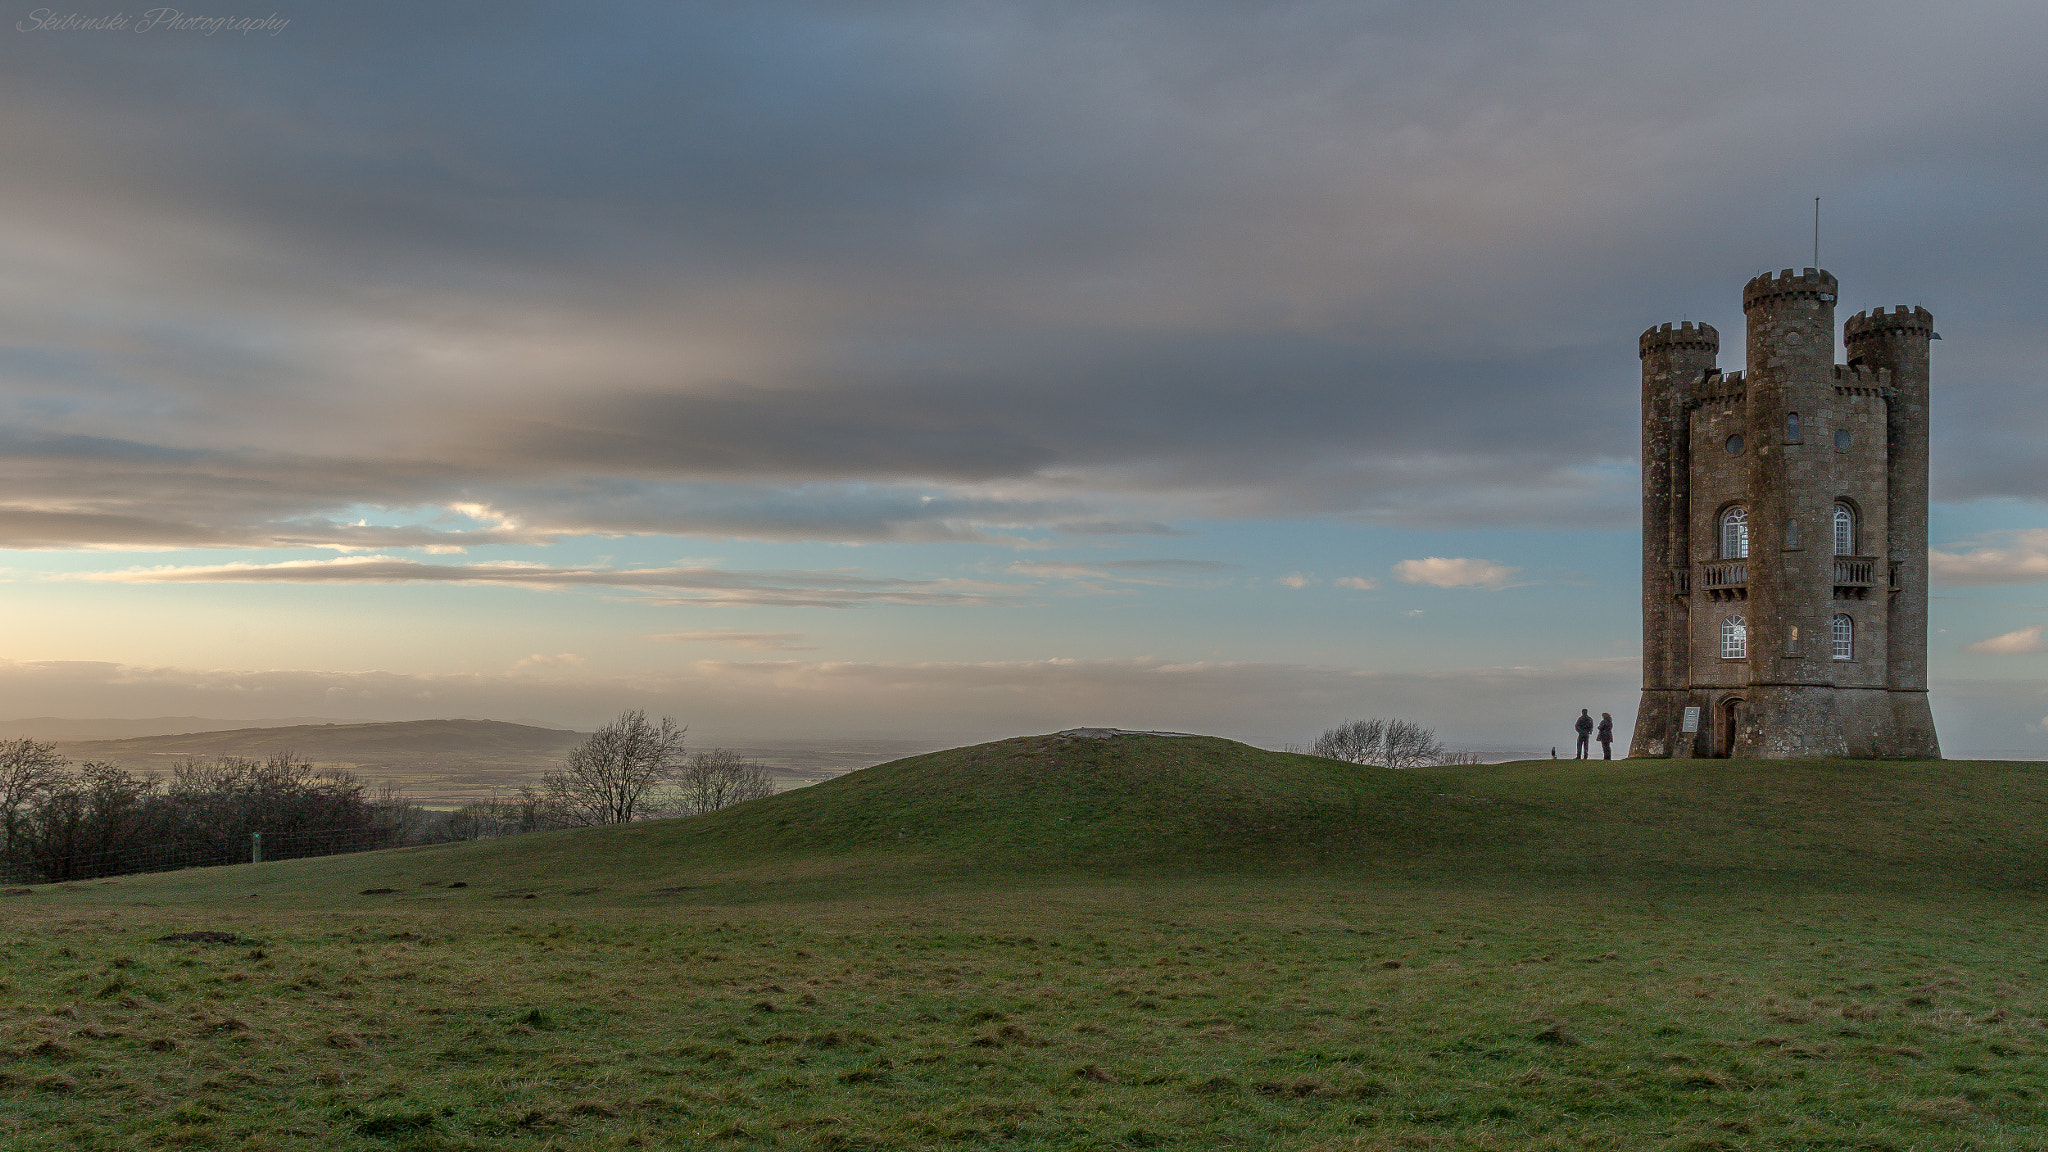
<point>1791,427</point>
<point>1734,638</point>
<point>1735,533</point>
<point>1845,637</point>
<point>1845,530</point>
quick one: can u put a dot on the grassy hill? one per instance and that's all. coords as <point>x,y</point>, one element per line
<point>1147,804</point>
<point>1052,943</point>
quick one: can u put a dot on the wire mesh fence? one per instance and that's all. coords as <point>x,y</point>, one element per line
<point>209,853</point>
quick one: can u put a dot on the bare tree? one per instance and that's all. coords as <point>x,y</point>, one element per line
<point>1409,745</point>
<point>1356,741</point>
<point>608,777</point>
<point>718,779</point>
<point>29,769</point>
<point>79,824</point>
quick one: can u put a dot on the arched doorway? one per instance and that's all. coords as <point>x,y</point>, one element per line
<point>1727,716</point>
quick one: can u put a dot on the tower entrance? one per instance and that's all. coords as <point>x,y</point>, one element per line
<point>1728,715</point>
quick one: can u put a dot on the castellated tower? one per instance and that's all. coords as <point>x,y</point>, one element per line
<point>1785,533</point>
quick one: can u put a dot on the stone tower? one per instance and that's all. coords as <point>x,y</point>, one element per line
<point>1785,533</point>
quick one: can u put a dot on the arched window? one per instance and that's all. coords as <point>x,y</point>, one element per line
<point>1734,638</point>
<point>1845,637</point>
<point>1791,427</point>
<point>1735,533</point>
<point>1845,530</point>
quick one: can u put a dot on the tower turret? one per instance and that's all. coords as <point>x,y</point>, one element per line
<point>1897,341</point>
<point>1790,376</point>
<point>1678,361</point>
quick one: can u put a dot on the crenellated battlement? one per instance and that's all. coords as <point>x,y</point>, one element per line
<point>1725,389</point>
<point>1813,283</point>
<point>1857,380</point>
<point>1878,322</point>
<point>1684,334</point>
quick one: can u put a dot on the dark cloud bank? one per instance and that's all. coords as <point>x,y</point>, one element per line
<point>930,272</point>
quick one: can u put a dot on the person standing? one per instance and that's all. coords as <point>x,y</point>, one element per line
<point>1606,736</point>
<point>1584,726</point>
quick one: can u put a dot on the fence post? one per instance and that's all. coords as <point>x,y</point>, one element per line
<point>255,847</point>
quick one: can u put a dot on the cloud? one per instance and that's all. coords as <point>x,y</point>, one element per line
<point>2021,642</point>
<point>541,660</point>
<point>1361,583</point>
<point>1455,572</point>
<point>1159,572</point>
<point>756,641</point>
<point>1295,580</point>
<point>2018,557</point>
<point>828,589</point>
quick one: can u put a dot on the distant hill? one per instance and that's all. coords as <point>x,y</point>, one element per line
<point>405,740</point>
<point>63,728</point>
<point>441,762</point>
<point>444,761</point>
<point>71,728</point>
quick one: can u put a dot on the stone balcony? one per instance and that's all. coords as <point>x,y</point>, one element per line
<point>1725,579</point>
<point>1855,576</point>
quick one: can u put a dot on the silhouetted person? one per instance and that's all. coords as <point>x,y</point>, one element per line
<point>1606,736</point>
<point>1584,726</point>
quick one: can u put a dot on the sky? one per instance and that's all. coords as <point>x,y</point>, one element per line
<point>951,371</point>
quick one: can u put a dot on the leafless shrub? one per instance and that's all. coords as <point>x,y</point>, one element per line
<point>718,779</point>
<point>1389,743</point>
<point>407,822</point>
<point>1409,745</point>
<point>1355,741</point>
<point>483,819</point>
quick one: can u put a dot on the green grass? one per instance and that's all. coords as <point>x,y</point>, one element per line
<point>1045,944</point>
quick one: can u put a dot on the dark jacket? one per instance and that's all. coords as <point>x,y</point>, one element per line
<point>1584,725</point>
<point>1606,732</point>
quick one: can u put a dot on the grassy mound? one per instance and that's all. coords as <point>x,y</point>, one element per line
<point>1148,804</point>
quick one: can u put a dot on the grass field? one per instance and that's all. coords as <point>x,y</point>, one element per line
<point>1132,943</point>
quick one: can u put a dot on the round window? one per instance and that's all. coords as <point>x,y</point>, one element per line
<point>1842,439</point>
<point>1735,445</point>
